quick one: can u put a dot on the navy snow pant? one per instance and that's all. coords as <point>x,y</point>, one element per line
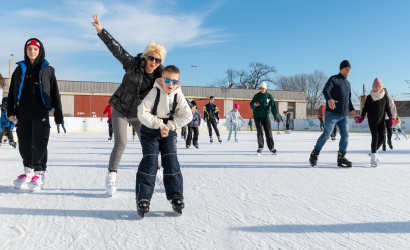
<point>152,143</point>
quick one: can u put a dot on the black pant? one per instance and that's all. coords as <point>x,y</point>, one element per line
<point>195,131</point>
<point>389,132</point>
<point>33,140</point>
<point>213,124</point>
<point>265,122</point>
<point>152,143</point>
<point>287,126</point>
<point>109,128</point>
<point>7,131</point>
<point>378,135</point>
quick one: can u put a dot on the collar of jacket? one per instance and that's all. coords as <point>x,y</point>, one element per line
<point>341,76</point>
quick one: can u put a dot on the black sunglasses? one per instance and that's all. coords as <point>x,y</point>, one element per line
<point>157,60</point>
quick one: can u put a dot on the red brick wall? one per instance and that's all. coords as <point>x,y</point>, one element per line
<point>200,103</point>
<point>244,108</point>
<point>82,105</point>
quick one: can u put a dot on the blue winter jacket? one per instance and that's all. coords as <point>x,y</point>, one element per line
<point>338,89</point>
<point>196,116</point>
<point>5,122</point>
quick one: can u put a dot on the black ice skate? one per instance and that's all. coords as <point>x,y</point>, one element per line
<point>178,205</point>
<point>109,138</point>
<point>142,207</point>
<point>219,139</point>
<point>384,147</point>
<point>197,146</point>
<point>313,157</point>
<point>274,151</point>
<point>342,161</point>
<point>187,146</point>
<point>13,143</point>
<point>390,144</point>
<point>333,138</point>
<point>210,139</point>
<point>259,151</point>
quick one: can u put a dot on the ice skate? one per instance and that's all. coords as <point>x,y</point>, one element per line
<point>187,146</point>
<point>65,134</point>
<point>23,180</point>
<point>384,147</point>
<point>229,139</point>
<point>390,144</point>
<point>219,139</point>
<point>374,160</point>
<point>111,183</point>
<point>159,179</point>
<point>58,134</point>
<point>109,139</point>
<point>178,205</point>
<point>333,138</point>
<point>196,145</point>
<point>37,182</point>
<point>273,151</point>
<point>259,151</point>
<point>342,161</point>
<point>143,207</point>
<point>278,133</point>
<point>398,138</point>
<point>13,144</point>
<point>236,140</point>
<point>313,157</point>
<point>211,139</point>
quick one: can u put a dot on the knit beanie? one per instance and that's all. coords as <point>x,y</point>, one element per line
<point>377,82</point>
<point>263,85</point>
<point>211,97</point>
<point>236,106</point>
<point>33,42</point>
<point>193,102</point>
<point>344,64</point>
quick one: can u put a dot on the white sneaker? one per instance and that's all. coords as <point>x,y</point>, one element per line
<point>111,183</point>
<point>22,180</point>
<point>159,179</point>
<point>37,182</point>
<point>374,161</point>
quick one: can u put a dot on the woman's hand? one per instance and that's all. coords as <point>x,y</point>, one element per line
<point>97,24</point>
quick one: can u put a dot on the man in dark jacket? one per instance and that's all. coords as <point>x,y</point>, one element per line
<point>211,116</point>
<point>337,93</point>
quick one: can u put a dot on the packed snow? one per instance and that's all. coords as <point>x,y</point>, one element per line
<point>234,199</point>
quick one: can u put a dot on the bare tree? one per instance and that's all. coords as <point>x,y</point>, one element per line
<point>312,84</point>
<point>258,72</point>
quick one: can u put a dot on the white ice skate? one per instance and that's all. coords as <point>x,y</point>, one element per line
<point>229,139</point>
<point>374,161</point>
<point>111,183</point>
<point>236,140</point>
<point>37,182</point>
<point>287,131</point>
<point>278,133</point>
<point>159,179</point>
<point>397,138</point>
<point>23,180</point>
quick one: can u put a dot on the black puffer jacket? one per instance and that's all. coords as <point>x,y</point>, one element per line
<point>128,96</point>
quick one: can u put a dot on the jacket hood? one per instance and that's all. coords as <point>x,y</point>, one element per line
<point>41,54</point>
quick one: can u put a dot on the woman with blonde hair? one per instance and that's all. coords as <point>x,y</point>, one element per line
<point>139,78</point>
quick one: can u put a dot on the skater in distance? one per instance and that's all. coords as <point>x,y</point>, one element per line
<point>337,93</point>
<point>234,117</point>
<point>211,117</point>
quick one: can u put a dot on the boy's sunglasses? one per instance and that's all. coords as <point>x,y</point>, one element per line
<point>157,60</point>
<point>174,82</point>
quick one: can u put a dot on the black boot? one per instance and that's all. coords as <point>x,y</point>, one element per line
<point>390,145</point>
<point>178,205</point>
<point>384,146</point>
<point>342,161</point>
<point>143,207</point>
<point>313,157</point>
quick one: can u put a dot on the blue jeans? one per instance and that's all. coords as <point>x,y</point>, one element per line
<point>332,119</point>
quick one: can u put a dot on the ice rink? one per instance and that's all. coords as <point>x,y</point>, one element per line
<point>234,198</point>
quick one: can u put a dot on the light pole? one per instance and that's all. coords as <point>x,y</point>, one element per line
<point>197,86</point>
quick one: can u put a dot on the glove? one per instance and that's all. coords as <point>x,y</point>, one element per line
<point>391,122</point>
<point>358,119</point>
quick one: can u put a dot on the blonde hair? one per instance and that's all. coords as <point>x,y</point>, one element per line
<point>156,47</point>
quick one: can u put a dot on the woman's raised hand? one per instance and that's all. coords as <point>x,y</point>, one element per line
<point>97,24</point>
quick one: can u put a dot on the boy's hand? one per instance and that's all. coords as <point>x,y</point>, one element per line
<point>11,118</point>
<point>97,24</point>
<point>256,104</point>
<point>164,131</point>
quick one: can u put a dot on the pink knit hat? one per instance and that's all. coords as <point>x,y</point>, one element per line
<point>236,106</point>
<point>377,82</point>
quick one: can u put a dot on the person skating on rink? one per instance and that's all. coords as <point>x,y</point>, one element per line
<point>193,130</point>
<point>58,128</point>
<point>287,121</point>
<point>321,121</point>
<point>376,106</point>
<point>163,111</point>
<point>262,104</point>
<point>337,93</point>
<point>139,78</point>
<point>389,130</point>
<point>32,95</point>
<point>234,117</point>
<point>250,123</point>
<point>398,129</point>
<point>279,121</point>
<point>108,111</point>
<point>211,117</point>
<point>6,125</point>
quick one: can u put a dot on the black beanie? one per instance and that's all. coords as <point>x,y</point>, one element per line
<point>345,64</point>
<point>193,102</point>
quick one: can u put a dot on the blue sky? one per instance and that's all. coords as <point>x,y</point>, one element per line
<point>294,36</point>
